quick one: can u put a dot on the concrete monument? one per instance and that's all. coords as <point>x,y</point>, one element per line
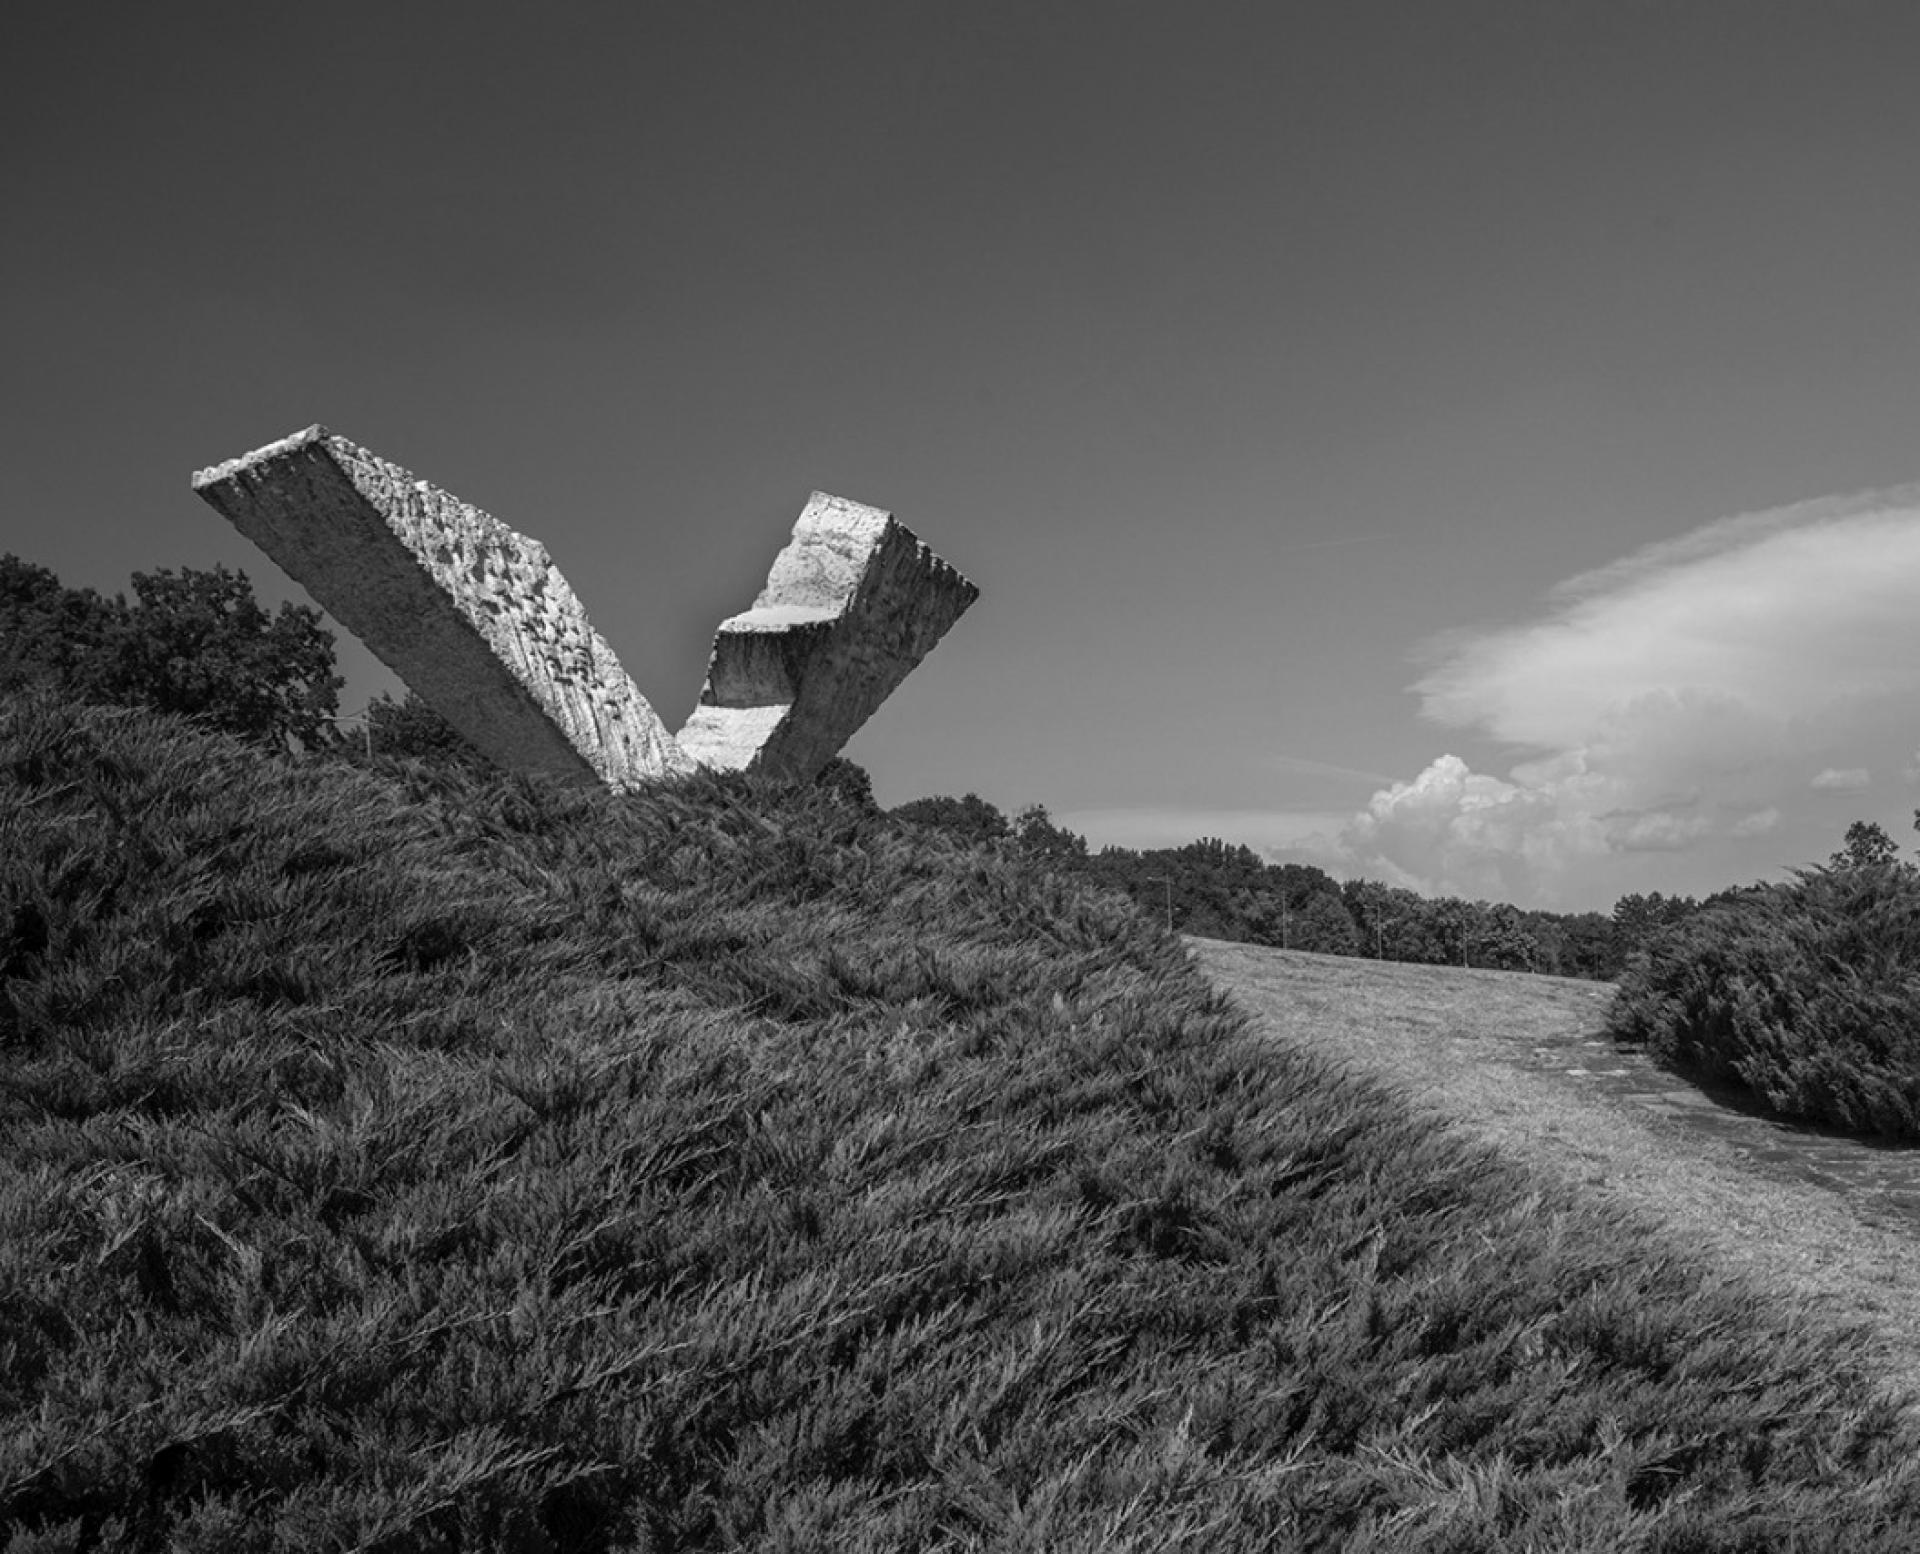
<point>851,605</point>
<point>479,623</point>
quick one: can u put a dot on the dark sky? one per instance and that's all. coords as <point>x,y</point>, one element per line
<point>1236,351</point>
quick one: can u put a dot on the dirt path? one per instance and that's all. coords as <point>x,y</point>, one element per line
<point>1520,1061</point>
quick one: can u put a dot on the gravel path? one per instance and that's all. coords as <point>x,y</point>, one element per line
<point>1519,1061</point>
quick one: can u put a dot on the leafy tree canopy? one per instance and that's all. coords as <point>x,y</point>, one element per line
<point>1038,836</point>
<point>970,818</point>
<point>196,644</point>
<point>50,636</point>
<point>200,645</point>
<point>850,782</point>
<point>1867,847</point>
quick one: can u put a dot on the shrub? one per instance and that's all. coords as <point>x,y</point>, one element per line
<point>1806,993</point>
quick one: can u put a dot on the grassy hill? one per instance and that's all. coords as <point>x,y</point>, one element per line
<point>392,1159</point>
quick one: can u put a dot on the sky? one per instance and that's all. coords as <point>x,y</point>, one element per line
<point>1463,444</point>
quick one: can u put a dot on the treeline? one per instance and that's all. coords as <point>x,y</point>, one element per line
<point>1220,890</point>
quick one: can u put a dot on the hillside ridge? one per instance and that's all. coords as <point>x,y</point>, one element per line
<point>394,1157</point>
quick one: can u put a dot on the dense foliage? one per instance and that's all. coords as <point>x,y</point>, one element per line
<point>399,1157</point>
<point>1806,993</point>
<point>196,644</point>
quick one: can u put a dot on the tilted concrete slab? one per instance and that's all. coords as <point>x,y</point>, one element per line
<point>852,604</point>
<point>480,624</point>
<point>473,616</point>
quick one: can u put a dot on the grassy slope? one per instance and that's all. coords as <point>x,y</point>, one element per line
<point>400,1161</point>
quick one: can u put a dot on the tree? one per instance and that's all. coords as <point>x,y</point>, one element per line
<point>1637,918</point>
<point>1259,917</point>
<point>1394,923</point>
<point>1504,941</point>
<point>849,781</point>
<point>1039,837</point>
<point>1457,926</point>
<point>970,819</point>
<point>197,644</point>
<point>1593,947</point>
<point>1868,847</point>
<point>51,636</point>
<point>1322,923</point>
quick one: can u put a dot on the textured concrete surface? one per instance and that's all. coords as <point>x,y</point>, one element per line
<point>479,622</point>
<point>852,604</point>
<point>473,616</point>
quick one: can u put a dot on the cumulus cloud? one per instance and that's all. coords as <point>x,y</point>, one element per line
<point>1666,701</point>
<point>1460,829</point>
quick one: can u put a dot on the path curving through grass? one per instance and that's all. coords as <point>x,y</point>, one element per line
<point>1815,1217</point>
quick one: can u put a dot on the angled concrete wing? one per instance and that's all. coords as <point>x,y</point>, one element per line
<point>479,622</point>
<point>473,616</point>
<point>852,604</point>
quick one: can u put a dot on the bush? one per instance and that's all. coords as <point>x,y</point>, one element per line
<point>1806,993</point>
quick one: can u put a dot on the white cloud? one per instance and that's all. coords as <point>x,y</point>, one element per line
<point>1457,830</point>
<point>1852,779</point>
<point>1775,613</point>
<point>1667,702</point>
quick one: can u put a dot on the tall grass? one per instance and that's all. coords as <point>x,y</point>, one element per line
<point>1807,993</point>
<point>400,1160</point>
